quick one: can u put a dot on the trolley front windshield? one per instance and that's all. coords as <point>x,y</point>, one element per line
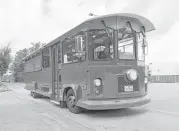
<point>100,45</point>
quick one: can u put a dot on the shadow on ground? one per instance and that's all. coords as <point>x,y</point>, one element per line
<point>128,112</point>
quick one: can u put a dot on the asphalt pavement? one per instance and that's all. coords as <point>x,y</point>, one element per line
<point>20,112</point>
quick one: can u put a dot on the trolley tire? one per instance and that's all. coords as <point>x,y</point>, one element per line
<point>34,95</point>
<point>74,109</point>
<point>63,104</point>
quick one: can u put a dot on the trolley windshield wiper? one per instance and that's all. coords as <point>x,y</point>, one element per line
<point>143,32</point>
<point>107,28</point>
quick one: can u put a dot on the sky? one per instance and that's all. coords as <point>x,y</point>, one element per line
<point>26,21</point>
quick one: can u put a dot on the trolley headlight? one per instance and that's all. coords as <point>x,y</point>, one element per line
<point>146,80</point>
<point>97,82</point>
<point>132,74</point>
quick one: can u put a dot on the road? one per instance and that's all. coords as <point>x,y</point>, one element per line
<point>20,112</point>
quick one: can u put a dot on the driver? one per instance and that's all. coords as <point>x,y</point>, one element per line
<point>104,54</point>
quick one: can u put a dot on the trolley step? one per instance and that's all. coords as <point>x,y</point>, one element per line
<point>55,102</point>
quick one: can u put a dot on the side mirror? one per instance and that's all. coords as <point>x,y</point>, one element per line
<point>79,43</point>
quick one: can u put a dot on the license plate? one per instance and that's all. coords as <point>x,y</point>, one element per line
<point>128,88</point>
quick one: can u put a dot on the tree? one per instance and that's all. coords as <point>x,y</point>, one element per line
<point>35,46</point>
<point>17,59</point>
<point>17,66</point>
<point>5,59</point>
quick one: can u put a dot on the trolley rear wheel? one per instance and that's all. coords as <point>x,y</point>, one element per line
<point>35,95</point>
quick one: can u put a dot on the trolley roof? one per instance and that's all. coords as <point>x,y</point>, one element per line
<point>84,25</point>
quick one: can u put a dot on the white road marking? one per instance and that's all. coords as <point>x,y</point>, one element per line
<point>165,112</point>
<point>51,118</point>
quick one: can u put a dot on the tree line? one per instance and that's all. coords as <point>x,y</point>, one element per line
<point>5,58</point>
<point>13,63</point>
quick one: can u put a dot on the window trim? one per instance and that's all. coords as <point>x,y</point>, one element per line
<point>59,48</point>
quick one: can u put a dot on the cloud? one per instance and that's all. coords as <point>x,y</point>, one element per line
<point>18,18</point>
<point>165,47</point>
<point>24,21</point>
<point>163,43</point>
<point>163,13</point>
<point>46,6</point>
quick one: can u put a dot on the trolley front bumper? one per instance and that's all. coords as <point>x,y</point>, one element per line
<point>113,104</point>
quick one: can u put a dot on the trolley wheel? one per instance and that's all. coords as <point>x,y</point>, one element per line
<point>34,95</point>
<point>63,104</point>
<point>71,103</point>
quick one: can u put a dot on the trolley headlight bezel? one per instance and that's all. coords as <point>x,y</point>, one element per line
<point>132,74</point>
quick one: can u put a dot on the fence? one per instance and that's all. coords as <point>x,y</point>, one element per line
<point>165,79</point>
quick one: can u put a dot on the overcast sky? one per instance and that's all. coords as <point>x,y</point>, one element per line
<point>26,21</point>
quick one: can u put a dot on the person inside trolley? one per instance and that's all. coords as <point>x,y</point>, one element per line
<point>104,54</point>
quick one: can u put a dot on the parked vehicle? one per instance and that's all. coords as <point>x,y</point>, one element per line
<point>99,64</point>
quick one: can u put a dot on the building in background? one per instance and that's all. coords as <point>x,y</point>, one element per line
<point>165,72</point>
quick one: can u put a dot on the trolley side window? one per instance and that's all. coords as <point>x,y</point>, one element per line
<point>74,49</point>
<point>37,62</point>
<point>46,58</point>
<point>28,65</point>
<point>126,44</point>
<point>33,63</point>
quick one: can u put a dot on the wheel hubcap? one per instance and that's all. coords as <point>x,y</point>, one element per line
<point>71,101</point>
